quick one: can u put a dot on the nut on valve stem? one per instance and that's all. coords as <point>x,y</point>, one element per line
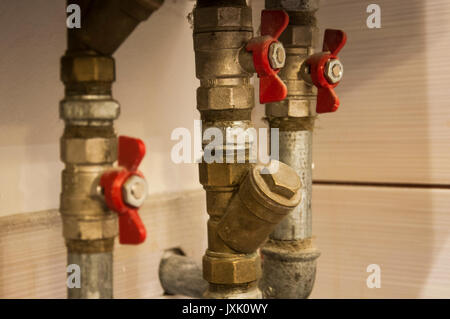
<point>125,190</point>
<point>325,71</point>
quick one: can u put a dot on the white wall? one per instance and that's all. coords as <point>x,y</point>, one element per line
<point>155,86</point>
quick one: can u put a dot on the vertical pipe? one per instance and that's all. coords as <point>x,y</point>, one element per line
<point>289,256</point>
<point>225,100</point>
<point>96,275</point>
<point>295,149</point>
<point>88,148</point>
<point>89,142</point>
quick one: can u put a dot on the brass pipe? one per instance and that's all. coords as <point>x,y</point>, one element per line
<point>290,256</point>
<point>89,142</point>
<point>243,205</point>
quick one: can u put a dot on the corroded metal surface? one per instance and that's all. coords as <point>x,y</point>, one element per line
<point>290,257</point>
<point>179,275</point>
<point>96,272</point>
<point>289,269</point>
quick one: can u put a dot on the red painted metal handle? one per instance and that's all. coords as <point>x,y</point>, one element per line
<point>327,100</point>
<point>130,154</point>
<point>271,87</point>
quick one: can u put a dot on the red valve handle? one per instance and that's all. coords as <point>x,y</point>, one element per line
<point>327,100</point>
<point>130,154</point>
<point>271,87</point>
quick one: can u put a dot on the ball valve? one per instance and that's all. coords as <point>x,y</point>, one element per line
<point>125,189</point>
<point>325,71</point>
<point>269,55</point>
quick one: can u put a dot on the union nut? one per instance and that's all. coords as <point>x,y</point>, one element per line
<point>265,197</point>
<point>87,68</point>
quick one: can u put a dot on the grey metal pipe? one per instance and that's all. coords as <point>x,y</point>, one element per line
<point>96,272</point>
<point>296,151</point>
<point>289,257</point>
<point>180,275</point>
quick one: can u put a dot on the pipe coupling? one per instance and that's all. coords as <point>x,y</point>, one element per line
<point>108,24</point>
<point>229,268</point>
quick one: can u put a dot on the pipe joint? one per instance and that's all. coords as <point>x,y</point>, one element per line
<point>289,269</point>
<point>107,24</point>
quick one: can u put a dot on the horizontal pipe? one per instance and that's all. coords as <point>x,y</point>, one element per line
<point>180,275</point>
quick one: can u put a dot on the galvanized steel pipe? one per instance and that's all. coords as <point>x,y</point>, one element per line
<point>289,266</point>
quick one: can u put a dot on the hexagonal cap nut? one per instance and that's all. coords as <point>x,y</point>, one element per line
<point>284,181</point>
<point>135,191</point>
<point>277,55</point>
<point>334,71</point>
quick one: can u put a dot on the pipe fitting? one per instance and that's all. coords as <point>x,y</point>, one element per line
<point>261,203</point>
<point>179,275</point>
<point>222,18</point>
<point>238,291</point>
<point>294,5</point>
<point>230,269</point>
<point>289,269</point>
<point>88,150</point>
<point>87,68</point>
<point>89,108</point>
<point>107,24</point>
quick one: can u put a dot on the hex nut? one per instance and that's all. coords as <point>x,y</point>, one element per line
<point>222,18</point>
<point>135,190</point>
<point>87,68</point>
<point>222,97</point>
<point>231,269</point>
<point>299,36</point>
<point>277,55</point>
<point>222,174</point>
<point>84,109</point>
<point>334,71</point>
<point>90,228</point>
<point>88,151</point>
<point>290,107</point>
<point>293,5</point>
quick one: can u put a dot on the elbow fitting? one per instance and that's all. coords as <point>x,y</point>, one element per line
<point>108,24</point>
<point>263,200</point>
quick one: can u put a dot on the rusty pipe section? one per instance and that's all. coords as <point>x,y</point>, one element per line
<point>289,256</point>
<point>244,201</point>
<point>89,142</point>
